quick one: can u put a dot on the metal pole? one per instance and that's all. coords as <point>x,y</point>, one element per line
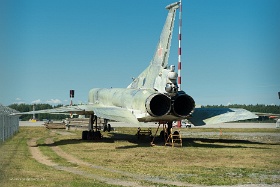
<point>179,48</point>
<point>179,124</point>
<point>3,127</point>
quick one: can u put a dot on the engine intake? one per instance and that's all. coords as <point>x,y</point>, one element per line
<point>183,104</point>
<point>158,105</point>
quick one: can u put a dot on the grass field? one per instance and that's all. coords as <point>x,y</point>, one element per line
<point>40,157</point>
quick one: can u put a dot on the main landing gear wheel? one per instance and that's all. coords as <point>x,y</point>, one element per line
<point>91,135</point>
<point>94,132</point>
<point>84,135</point>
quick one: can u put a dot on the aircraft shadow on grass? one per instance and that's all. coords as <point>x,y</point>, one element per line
<point>222,143</point>
<point>145,142</point>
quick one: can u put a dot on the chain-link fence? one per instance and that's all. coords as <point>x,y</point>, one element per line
<point>9,124</point>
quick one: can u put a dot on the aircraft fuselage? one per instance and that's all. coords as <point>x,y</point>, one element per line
<point>145,104</point>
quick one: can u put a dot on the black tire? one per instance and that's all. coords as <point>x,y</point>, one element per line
<point>97,135</point>
<point>90,135</point>
<point>84,135</point>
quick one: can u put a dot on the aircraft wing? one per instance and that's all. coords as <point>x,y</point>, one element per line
<point>105,112</point>
<point>80,109</point>
<point>203,116</point>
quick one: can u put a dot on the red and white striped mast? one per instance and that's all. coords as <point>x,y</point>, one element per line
<point>179,124</point>
<point>179,49</point>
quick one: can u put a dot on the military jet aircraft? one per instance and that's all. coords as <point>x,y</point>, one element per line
<point>152,97</point>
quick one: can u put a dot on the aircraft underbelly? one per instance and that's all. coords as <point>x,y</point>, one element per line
<point>165,118</point>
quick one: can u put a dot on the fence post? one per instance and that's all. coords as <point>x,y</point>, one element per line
<point>1,126</point>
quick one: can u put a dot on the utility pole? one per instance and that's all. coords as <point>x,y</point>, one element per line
<point>71,100</point>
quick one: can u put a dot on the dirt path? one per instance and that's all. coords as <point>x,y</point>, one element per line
<point>37,155</point>
<point>72,159</point>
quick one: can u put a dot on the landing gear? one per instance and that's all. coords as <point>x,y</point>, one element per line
<point>93,134</point>
<point>166,134</point>
<point>106,126</point>
<point>85,135</point>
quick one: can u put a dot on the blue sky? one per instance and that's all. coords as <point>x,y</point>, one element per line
<point>230,48</point>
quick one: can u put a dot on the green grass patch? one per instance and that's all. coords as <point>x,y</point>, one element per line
<point>119,155</point>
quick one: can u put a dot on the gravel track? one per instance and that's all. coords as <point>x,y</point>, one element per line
<point>37,155</point>
<point>43,159</point>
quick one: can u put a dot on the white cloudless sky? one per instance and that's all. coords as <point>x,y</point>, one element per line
<point>230,48</point>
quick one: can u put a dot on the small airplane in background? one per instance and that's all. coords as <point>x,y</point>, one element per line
<point>152,97</point>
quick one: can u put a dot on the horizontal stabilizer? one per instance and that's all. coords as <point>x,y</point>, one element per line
<point>203,116</point>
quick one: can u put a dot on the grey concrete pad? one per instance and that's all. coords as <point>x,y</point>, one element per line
<point>30,124</point>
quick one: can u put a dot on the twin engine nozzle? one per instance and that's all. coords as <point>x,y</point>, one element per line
<point>180,105</point>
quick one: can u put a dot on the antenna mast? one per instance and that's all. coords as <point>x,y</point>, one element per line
<point>179,49</point>
<point>179,123</point>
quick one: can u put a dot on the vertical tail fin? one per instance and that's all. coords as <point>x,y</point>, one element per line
<point>160,60</point>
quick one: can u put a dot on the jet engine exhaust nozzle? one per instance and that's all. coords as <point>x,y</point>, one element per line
<point>158,105</point>
<point>183,104</point>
